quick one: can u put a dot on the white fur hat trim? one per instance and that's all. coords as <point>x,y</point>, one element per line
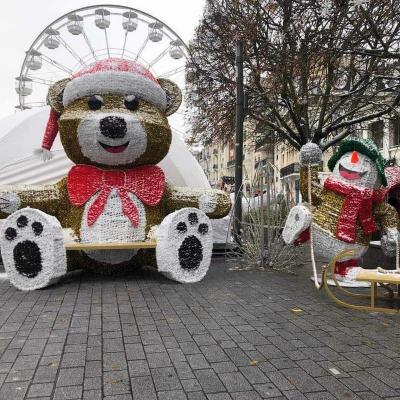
<point>125,83</point>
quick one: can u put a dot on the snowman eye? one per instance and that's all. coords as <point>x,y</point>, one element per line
<point>95,102</point>
<point>131,102</point>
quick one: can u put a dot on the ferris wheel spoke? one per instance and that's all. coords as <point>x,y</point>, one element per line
<point>72,52</point>
<point>57,64</point>
<point>159,57</point>
<point>172,72</point>
<point>108,47</point>
<point>123,47</point>
<point>141,48</point>
<point>89,44</point>
<point>41,81</point>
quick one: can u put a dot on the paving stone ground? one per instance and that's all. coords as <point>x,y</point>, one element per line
<point>232,336</point>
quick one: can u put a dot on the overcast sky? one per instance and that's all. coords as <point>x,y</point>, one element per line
<point>22,20</point>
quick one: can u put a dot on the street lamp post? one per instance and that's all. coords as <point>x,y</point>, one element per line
<point>239,138</point>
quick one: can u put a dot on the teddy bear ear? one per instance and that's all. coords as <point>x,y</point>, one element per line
<point>174,95</point>
<point>55,95</point>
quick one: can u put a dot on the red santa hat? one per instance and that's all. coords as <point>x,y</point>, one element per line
<point>113,75</point>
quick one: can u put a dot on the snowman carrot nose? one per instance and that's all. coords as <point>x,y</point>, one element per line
<point>354,157</point>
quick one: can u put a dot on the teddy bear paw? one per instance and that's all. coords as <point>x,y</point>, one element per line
<point>32,249</point>
<point>184,245</point>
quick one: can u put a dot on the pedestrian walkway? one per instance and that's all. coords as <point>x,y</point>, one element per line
<point>234,336</point>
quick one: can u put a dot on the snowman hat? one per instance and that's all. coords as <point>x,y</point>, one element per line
<point>363,146</point>
<point>112,75</point>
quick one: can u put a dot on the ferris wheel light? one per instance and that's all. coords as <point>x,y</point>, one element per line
<point>175,51</point>
<point>51,41</point>
<point>34,61</point>
<point>129,21</point>
<point>23,85</point>
<point>75,26</point>
<point>102,18</point>
<point>155,31</point>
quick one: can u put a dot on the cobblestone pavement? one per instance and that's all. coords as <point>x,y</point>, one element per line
<point>233,336</point>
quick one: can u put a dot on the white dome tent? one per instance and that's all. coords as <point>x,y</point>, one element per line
<point>22,132</point>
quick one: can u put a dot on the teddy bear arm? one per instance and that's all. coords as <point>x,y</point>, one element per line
<point>44,198</point>
<point>215,203</point>
<point>386,216</point>
<point>316,188</point>
<point>64,208</point>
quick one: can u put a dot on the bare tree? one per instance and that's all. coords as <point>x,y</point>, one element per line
<point>314,69</point>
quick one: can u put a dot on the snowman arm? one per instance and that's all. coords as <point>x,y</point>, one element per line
<point>316,188</point>
<point>44,197</point>
<point>215,203</point>
<point>386,216</point>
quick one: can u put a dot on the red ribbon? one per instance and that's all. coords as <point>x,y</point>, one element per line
<point>146,182</point>
<point>357,205</point>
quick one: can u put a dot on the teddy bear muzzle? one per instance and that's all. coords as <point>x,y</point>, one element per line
<point>103,136</point>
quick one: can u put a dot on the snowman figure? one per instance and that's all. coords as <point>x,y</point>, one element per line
<point>347,209</point>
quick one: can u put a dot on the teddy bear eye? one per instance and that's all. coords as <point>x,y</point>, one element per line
<point>131,102</point>
<point>95,102</point>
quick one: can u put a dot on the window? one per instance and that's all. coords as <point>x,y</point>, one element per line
<point>231,150</point>
<point>395,132</point>
<point>376,133</point>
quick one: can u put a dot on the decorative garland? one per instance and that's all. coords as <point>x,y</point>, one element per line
<point>112,118</point>
<point>347,208</point>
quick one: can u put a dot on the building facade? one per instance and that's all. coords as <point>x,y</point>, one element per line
<point>217,158</point>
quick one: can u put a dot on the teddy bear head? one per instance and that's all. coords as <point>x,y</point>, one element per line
<point>113,114</point>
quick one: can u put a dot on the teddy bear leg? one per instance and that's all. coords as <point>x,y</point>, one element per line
<point>184,245</point>
<point>32,249</point>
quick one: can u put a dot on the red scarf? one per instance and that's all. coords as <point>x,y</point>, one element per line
<point>146,182</point>
<point>357,205</point>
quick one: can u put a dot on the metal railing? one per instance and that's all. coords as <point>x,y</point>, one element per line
<point>290,169</point>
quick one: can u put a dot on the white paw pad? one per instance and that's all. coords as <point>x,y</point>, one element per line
<point>32,249</point>
<point>184,245</point>
<point>298,220</point>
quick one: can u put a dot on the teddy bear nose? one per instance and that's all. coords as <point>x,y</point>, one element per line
<point>113,127</point>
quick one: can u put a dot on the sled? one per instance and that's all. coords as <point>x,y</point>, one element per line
<point>365,302</point>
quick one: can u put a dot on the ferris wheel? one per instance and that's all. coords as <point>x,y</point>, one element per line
<point>83,36</point>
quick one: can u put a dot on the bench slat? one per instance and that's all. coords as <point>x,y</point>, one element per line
<point>375,276</point>
<point>149,244</point>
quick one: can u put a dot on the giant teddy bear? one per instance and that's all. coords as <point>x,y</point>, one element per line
<point>112,120</point>
<point>347,208</point>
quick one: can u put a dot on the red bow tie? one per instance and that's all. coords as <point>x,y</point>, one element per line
<point>146,182</point>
